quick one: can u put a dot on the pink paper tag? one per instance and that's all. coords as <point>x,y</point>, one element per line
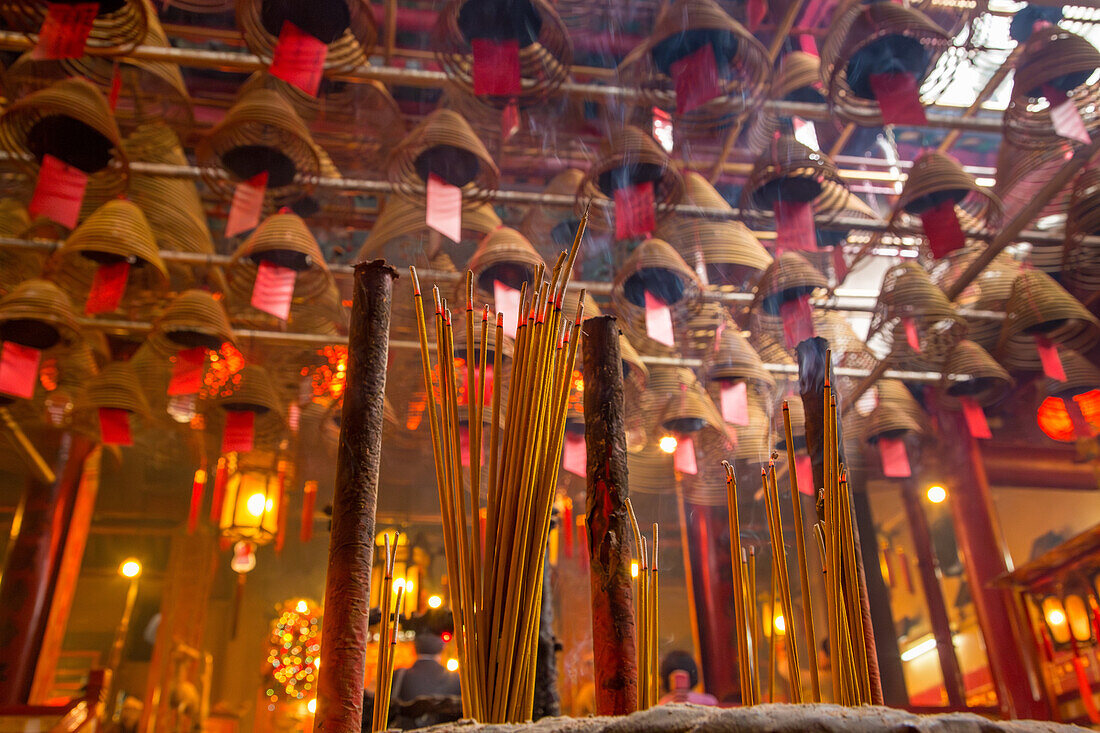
<point>911,334</point>
<point>942,228</point>
<point>735,403</point>
<point>634,211</point>
<point>804,471</point>
<point>470,390</point>
<point>975,418</point>
<point>247,206</point>
<point>108,286</point>
<point>658,320</point>
<point>464,444</point>
<point>683,460</point>
<point>496,67</point>
<point>65,30</point>
<point>805,132</point>
<point>754,14</point>
<point>274,289</point>
<point>114,426</point>
<point>444,208</point>
<point>1067,122</point>
<point>299,59</point>
<point>798,320</point>
<point>187,372</point>
<point>509,121</point>
<point>696,79</point>
<point>895,459</point>
<point>574,455</point>
<point>116,87</point>
<point>794,226</point>
<point>808,44</point>
<point>1051,361</point>
<point>239,431</point>
<point>840,265</point>
<point>59,192</point>
<point>506,301</point>
<point>18,369</point>
<point>898,97</point>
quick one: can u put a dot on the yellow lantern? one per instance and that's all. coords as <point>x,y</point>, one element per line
<point>250,511</point>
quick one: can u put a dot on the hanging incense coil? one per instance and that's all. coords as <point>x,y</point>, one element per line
<point>790,172</point>
<point>15,265</point>
<point>674,402</point>
<point>742,64</point>
<point>443,144</point>
<point>1061,62</point>
<point>152,367</point>
<point>552,228</point>
<point>755,440</point>
<point>732,256</point>
<point>909,295</point>
<point>1081,377</point>
<point>250,390</point>
<point>345,26</point>
<point>849,351</point>
<point>119,25</point>
<point>789,277</point>
<point>261,133</point>
<point>798,423</point>
<point>69,120</point>
<point>38,314</point>
<point>116,387</point>
<point>937,178</point>
<point>148,91</point>
<point>1038,306</point>
<point>698,191</point>
<point>952,16</point>
<point>205,7</point>
<point>545,50</point>
<point>878,38</point>
<point>695,337</point>
<point>895,413</point>
<point>798,79</point>
<point>988,292</point>
<point>654,267</point>
<point>193,319</point>
<point>400,233</point>
<point>630,157</point>
<point>983,379</point>
<point>504,255</point>
<point>732,358</point>
<point>1081,257</point>
<point>312,203</point>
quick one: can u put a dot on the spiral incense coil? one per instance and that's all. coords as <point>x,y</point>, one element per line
<point>908,294</point>
<point>545,50</point>
<point>192,319</point>
<point>988,292</point>
<point>504,255</point>
<point>551,228</point>
<point>755,440</point>
<point>119,25</point>
<point>250,390</point>
<point>951,15</point>
<point>152,366</point>
<point>707,487</point>
<point>1038,306</point>
<point>16,266</point>
<point>878,38</point>
<point>149,91</point>
<point>698,191</point>
<point>798,79</point>
<point>400,232</point>
<point>71,121</point>
<point>312,203</point>
<point>1081,259</point>
<point>789,277</point>
<point>345,26</point>
<point>788,171</point>
<point>443,144</point>
<point>695,337</point>
<point>116,387</point>
<point>732,358</point>
<point>631,156</point>
<point>1052,57</point>
<point>260,133</point>
<point>734,259</point>
<point>937,177</point>
<point>674,402</point>
<point>38,314</point>
<point>743,65</point>
<point>895,412</point>
<point>656,268</point>
<point>1081,376</point>
<point>984,380</point>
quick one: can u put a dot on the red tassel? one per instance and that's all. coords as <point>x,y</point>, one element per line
<point>198,488</point>
<point>221,478</point>
<point>309,498</point>
<point>280,521</point>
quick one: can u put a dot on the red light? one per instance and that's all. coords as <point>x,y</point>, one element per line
<point>1055,420</point>
<point>446,636</point>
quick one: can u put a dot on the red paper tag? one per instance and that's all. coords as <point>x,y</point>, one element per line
<point>1067,122</point>
<point>895,459</point>
<point>18,369</point>
<point>299,59</point>
<point>444,208</point>
<point>247,206</point>
<point>898,98</point>
<point>1082,428</point>
<point>658,320</point>
<point>754,14</point>
<point>911,334</point>
<point>683,460</point>
<point>735,403</point>
<point>506,301</point>
<point>65,30</point>
<point>574,454</point>
<point>274,289</point>
<point>840,265</point>
<point>116,87</point>
<point>1051,361</point>
<point>941,227</point>
<point>464,443</point>
<point>114,426</point>
<point>488,396</point>
<point>59,192</point>
<point>635,214</point>
<point>239,431</point>
<point>108,286</point>
<point>187,372</point>
<point>696,79</point>
<point>798,320</point>
<point>496,67</point>
<point>975,418</point>
<point>509,121</point>
<point>804,471</point>
<point>794,226</point>
<point>808,44</point>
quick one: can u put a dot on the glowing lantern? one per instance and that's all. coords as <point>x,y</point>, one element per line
<point>251,508</point>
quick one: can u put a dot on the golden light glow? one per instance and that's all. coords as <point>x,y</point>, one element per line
<point>668,444</point>
<point>255,504</point>
<point>409,585</point>
<point>301,607</point>
<point>434,602</point>
<point>936,494</point>
<point>311,706</point>
<point>633,570</point>
<point>780,624</point>
<point>452,665</point>
<point>398,584</point>
<point>1056,617</point>
<point>130,568</point>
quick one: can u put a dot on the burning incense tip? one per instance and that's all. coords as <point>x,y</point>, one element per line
<point>485,313</point>
<point>416,281</point>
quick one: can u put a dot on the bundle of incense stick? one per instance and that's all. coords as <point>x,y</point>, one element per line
<point>496,580</point>
<point>646,615</point>
<point>387,639</point>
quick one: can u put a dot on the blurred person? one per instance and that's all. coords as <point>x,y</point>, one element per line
<point>679,676</point>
